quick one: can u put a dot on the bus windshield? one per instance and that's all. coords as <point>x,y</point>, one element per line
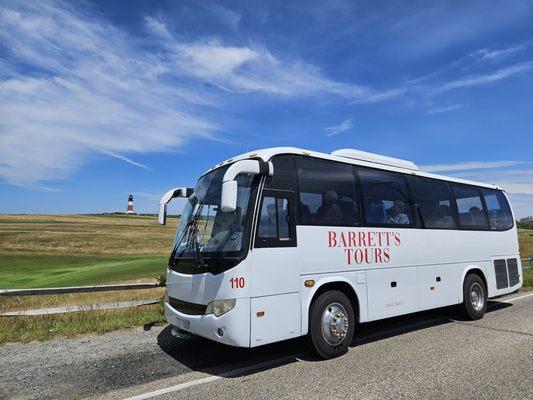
<point>204,230</point>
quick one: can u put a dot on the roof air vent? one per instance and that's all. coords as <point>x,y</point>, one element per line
<point>375,158</point>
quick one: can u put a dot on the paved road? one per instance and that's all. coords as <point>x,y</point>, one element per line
<point>425,355</point>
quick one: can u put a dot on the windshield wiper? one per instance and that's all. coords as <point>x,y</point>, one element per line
<point>198,259</point>
<point>192,241</point>
<point>172,258</point>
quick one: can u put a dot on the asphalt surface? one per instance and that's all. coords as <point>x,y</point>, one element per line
<point>430,354</point>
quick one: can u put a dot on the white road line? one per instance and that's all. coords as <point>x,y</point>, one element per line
<point>175,388</point>
<point>516,298</point>
<point>229,374</point>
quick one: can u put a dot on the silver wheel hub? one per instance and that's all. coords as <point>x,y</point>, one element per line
<point>334,324</point>
<point>477,297</point>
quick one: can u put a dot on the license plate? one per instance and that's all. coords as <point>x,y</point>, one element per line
<point>183,324</point>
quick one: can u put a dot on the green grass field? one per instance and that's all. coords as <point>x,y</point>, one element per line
<point>70,250</point>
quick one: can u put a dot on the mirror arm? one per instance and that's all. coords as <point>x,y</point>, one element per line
<point>229,184</point>
<point>248,167</point>
<point>167,197</point>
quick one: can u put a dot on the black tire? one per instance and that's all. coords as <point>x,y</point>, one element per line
<point>467,308</point>
<point>327,305</point>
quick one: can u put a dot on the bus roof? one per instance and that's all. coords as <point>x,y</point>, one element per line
<point>355,157</point>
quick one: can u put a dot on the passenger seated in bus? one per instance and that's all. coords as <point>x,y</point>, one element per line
<point>476,215</point>
<point>396,214</point>
<point>329,212</point>
<point>444,219</point>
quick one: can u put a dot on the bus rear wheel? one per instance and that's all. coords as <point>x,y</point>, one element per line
<point>474,297</point>
<point>332,323</point>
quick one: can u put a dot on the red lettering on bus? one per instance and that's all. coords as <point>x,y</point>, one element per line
<point>351,239</point>
<point>386,254</point>
<point>362,239</point>
<point>397,238</point>
<point>332,239</point>
<point>348,256</point>
<point>342,239</point>
<point>378,256</point>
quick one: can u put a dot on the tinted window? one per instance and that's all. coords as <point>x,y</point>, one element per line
<point>274,222</point>
<point>433,203</point>
<point>385,199</point>
<point>327,192</point>
<point>470,207</point>
<point>283,177</point>
<point>500,216</point>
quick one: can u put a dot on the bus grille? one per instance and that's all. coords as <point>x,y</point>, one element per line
<point>187,308</point>
<point>512,268</point>
<point>501,274</point>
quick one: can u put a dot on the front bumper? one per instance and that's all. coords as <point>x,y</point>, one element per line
<point>235,324</point>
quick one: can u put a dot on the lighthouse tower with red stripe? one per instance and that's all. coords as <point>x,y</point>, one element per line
<point>130,205</point>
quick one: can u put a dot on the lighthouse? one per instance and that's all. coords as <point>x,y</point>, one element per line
<point>130,205</point>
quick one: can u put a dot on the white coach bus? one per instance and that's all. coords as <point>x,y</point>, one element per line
<point>286,242</point>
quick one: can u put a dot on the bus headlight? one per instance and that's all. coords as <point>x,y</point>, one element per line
<point>220,307</point>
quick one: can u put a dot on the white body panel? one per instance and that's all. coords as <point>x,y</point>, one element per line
<point>392,271</point>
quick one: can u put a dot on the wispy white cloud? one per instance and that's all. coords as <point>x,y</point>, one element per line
<point>445,109</point>
<point>126,159</point>
<point>74,83</point>
<point>251,69</point>
<point>480,79</point>
<point>470,165</point>
<point>81,85</point>
<point>498,53</point>
<point>336,129</point>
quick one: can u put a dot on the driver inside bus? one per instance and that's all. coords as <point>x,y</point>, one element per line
<point>268,225</point>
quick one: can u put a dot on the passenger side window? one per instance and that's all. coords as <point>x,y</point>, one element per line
<point>433,202</point>
<point>327,192</point>
<point>385,198</point>
<point>470,208</point>
<point>274,218</point>
<point>275,227</point>
<point>499,211</point>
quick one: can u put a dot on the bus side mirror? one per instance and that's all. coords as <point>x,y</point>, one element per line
<point>162,217</point>
<point>228,199</point>
<point>171,194</point>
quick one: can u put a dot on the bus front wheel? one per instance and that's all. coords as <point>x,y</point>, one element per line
<point>332,323</point>
<point>474,297</point>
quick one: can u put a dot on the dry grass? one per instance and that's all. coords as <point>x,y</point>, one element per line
<point>525,238</point>
<point>35,302</point>
<point>25,329</point>
<point>85,234</point>
<point>68,250</point>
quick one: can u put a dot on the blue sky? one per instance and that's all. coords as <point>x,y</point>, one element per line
<point>102,99</point>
